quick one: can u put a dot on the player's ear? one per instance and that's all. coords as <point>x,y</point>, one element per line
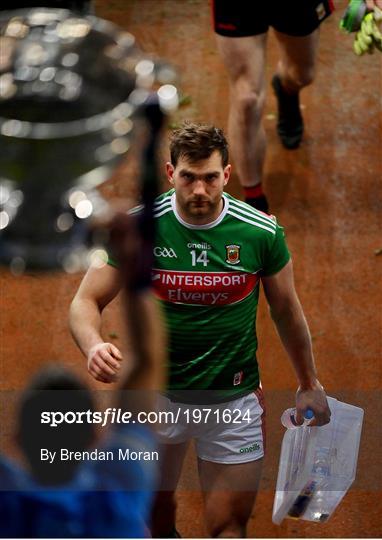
<point>227,173</point>
<point>170,172</point>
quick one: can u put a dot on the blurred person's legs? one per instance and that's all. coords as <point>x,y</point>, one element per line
<point>295,70</point>
<point>241,37</point>
<point>244,58</point>
<point>296,27</point>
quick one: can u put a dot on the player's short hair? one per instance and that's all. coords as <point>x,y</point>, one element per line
<point>53,388</point>
<point>196,142</point>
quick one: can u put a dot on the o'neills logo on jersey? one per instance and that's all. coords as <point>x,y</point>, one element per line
<point>203,288</point>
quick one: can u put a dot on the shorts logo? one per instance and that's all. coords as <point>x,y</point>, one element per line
<point>254,448</point>
<point>237,378</point>
<point>164,252</point>
<point>232,254</point>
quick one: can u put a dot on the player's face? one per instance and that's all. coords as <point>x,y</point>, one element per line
<point>199,187</point>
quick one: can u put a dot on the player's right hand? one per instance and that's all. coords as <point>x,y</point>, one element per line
<point>312,397</point>
<point>104,362</point>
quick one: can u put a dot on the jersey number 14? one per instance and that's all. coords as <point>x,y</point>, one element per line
<point>199,259</point>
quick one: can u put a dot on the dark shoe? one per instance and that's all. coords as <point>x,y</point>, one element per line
<point>260,203</point>
<point>290,125</point>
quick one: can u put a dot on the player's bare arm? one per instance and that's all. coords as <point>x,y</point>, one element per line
<point>288,316</point>
<point>98,288</point>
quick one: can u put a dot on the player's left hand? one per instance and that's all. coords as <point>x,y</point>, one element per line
<point>313,398</point>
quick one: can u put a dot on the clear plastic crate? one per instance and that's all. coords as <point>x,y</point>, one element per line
<point>318,465</point>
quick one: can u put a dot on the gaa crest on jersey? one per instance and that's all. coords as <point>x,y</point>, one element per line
<point>232,254</point>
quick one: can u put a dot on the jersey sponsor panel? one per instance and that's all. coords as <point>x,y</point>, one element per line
<point>205,288</point>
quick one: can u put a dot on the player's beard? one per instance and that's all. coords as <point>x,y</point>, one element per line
<point>203,207</point>
<point>199,205</point>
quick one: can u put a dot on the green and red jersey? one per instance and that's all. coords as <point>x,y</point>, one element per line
<point>206,277</point>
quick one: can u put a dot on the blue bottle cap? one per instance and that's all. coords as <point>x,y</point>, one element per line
<point>308,414</point>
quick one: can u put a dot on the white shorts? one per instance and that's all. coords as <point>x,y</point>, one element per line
<point>230,432</point>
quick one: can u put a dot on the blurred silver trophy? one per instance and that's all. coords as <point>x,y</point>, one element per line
<point>71,89</point>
